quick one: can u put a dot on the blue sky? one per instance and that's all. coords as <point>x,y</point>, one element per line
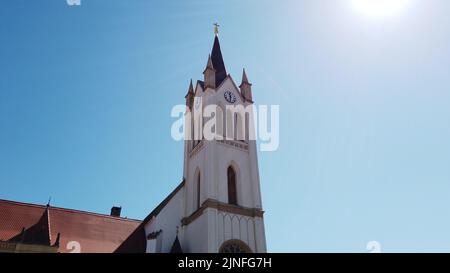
<point>86,94</point>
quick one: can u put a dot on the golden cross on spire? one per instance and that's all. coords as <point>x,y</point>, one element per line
<point>216,28</point>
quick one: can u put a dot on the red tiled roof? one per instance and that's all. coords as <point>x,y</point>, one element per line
<point>94,232</point>
<point>39,233</point>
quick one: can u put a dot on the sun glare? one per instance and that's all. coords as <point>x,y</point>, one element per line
<point>380,7</point>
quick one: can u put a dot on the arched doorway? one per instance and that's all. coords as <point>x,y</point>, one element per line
<point>234,246</point>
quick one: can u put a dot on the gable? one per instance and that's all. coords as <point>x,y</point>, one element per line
<point>229,85</point>
<point>199,88</point>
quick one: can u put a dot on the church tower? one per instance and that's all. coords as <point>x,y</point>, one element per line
<point>222,210</point>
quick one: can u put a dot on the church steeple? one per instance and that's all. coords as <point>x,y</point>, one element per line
<point>220,170</point>
<point>218,63</point>
<point>215,72</point>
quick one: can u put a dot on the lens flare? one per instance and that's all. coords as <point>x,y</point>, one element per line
<point>380,7</point>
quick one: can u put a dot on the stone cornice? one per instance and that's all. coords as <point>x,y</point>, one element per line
<point>224,207</point>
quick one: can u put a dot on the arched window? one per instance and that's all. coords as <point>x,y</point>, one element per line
<point>232,193</point>
<point>239,129</point>
<point>247,127</point>
<point>236,126</point>
<point>198,191</point>
<point>220,123</point>
<point>197,129</point>
<point>229,125</point>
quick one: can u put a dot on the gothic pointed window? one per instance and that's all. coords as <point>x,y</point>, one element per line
<point>247,127</point>
<point>197,129</point>
<point>192,133</point>
<point>239,127</point>
<point>236,127</point>
<point>220,122</point>
<point>232,193</point>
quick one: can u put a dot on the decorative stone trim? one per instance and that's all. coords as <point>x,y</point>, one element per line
<point>153,235</point>
<point>212,203</point>
<point>196,149</point>
<point>236,144</point>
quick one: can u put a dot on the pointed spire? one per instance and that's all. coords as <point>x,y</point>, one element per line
<point>190,90</point>
<point>209,64</point>
<point>217,61</point>
<point>191,87</point>
<point>190,96</point>
<point>246,87</point>
<point>176,246</point>
<point>244,77</point>
<point>215,72</point>
<point>210,74</point>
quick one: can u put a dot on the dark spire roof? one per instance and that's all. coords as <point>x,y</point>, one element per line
<point>202,84</point>
<point>244,77</point>
<point>217,60</point>
<point>190,90</point>
<point>176,247</point>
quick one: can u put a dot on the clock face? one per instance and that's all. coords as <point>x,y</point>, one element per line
<point>230,97</point>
